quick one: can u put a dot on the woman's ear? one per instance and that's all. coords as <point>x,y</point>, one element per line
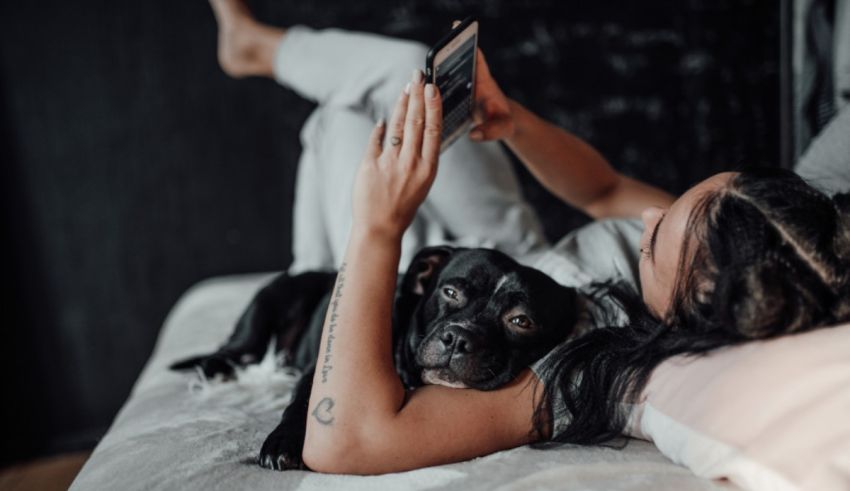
<point>425,267</point>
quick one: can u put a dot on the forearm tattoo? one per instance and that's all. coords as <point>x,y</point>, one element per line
<point>322,412</point>
<point>337,296</point>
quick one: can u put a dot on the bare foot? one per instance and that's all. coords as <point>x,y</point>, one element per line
<point>245,47</point>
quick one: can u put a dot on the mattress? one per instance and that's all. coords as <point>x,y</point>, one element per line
<point>176,431</point>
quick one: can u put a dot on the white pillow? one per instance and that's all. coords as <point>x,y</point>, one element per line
<point>765,415</point>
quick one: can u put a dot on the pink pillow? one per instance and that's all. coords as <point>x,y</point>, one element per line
<point>764,415</point>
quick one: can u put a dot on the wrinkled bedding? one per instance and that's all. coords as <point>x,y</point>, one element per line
<point>178,432</point>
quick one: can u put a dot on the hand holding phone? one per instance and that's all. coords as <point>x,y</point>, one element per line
<point>450,65</point>
<point>491,113</point>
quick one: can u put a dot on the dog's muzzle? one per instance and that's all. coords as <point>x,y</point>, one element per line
<point>454,356</point>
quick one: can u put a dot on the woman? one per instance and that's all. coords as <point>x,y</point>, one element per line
<point>737,257</point>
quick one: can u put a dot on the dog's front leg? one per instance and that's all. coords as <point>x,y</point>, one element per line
<point>282,449</point>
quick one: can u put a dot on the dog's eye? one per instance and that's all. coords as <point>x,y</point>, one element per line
<point>453,296</point>
<point>450,293</point>
<point>522,322</point>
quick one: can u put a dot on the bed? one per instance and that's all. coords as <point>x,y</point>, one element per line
<point>765,415</point>
<point>176,432</point>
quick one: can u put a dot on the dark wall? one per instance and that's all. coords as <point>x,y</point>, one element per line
<point>132,167</point>
<point>136,169</point>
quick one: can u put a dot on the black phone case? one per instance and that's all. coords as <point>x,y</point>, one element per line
<point>429,59</point>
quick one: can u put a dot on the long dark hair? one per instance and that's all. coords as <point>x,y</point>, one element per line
<point>763,256</point>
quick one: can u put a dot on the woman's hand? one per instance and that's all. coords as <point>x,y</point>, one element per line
<point>492,114</point>
<point>395,176</point>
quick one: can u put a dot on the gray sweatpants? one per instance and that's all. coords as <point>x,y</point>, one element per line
<point>356,78</point>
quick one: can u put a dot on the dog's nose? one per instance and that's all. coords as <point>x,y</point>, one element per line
<point>457,340</point>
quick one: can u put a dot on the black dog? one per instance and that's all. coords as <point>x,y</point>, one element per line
<point>462,318</point>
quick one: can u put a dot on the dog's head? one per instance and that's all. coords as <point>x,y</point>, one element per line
<point>476,318</point>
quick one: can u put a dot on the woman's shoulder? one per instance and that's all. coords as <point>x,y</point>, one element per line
<point>604,250</point>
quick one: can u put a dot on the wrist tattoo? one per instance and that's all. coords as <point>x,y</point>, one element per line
<point>322,411</point>
<point>337,295</point>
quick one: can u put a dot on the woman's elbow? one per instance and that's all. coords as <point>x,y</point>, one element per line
<point>600,205</point>
<point>319,461</point>
<point>346,455</point>
<point>327,457</point>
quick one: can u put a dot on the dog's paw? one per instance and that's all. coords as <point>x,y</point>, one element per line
<point>213,365</point>
<point>281,453</point>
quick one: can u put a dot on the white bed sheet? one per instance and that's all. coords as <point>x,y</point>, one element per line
<point>169,435</point>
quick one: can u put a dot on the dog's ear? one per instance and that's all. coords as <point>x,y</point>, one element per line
<point>424,267</point>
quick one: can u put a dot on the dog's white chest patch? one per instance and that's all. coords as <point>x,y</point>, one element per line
<point>442,377</point>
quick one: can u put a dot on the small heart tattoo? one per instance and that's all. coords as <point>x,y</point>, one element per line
<point>322,413</point>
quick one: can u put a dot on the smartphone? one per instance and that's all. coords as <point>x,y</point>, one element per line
<point>450,65</point>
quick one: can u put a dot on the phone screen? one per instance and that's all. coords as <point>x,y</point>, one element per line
<point>454,77</point>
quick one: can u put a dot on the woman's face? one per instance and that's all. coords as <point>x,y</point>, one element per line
<point>662,242</point>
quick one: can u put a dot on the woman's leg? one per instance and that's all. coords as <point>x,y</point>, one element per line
<point>245,47</point>
<point>311,243</point>
<point>335,138</point>
<point>476,196</point>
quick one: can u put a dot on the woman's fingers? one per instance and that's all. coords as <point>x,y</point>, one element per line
<point>415,120</point>
<point>481,63</point>
<point>433,125</point>
<point>396,126</point>
<point>492,114</point>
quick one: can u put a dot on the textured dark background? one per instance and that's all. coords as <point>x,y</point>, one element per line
<point>132,167</point>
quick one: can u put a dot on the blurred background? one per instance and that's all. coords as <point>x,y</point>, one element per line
<point>132,167</point>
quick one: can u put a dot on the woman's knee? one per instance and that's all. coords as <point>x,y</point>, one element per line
<point>401,60</point>
<point>405,56</point>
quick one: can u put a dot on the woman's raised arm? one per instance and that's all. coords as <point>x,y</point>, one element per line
<point>360,418</point>
<point>563,163</point>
